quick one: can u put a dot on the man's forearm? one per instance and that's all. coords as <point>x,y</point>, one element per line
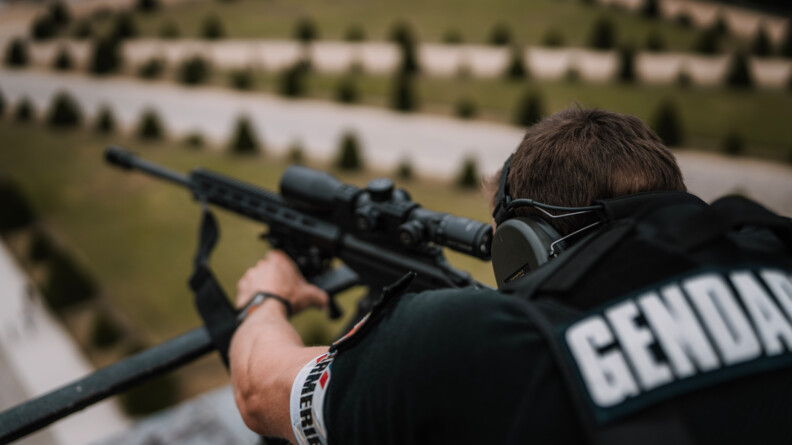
<point>265,356</point>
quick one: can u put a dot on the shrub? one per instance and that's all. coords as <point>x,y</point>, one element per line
<point>738,75</point>
<point>16,54</point>
<point>123,26</point>
<point>63,60</point>
<point>627,64</point>
<point>346,91</point>
<point>147,6</point>
<point>761,45</point>
<point>466,108</point>
<point>452,37</point>
<point>150,127</point>
<point>529,110</point>
<point>655,41</point>
<point>105,122</point>
<point>212,28</point>
<point>355,33</point>
<point>194,140</point>
<point>786,44</point>
<point>683,79</point>
<point>603,34</point>
<point>500,35</point>
<point>650,9</point>
<point>59,13</point>
<point>43,27</point>
<point>241,79</point>
<point>516,69</point>
<point>151,396</point>
<point>2,104</point>
<point>553,39</point>
<point>403,37</point>
<point>733,144</point>
<point>82,30</point>
<point>403,95</point>
<point>25,112</point>
<point>401,34</point>
<point>296,153</point>
<point>194,71</point>
<point>667,124</point>
<point>244,140</point>
<point>41,246</point>
<point>405,170</point>
<point>468,177</point>
<point>105,57</point>
<point>683,19</point>
<point>64,112</point>
<point>708,42</point>
<point>169,30</point>
<point>68,283</point>
<point>409,60</point>
<point>105,331</point>
<point>15,209</point>
<point>305,30</point>
<point>349,157</point>
<point>152,68</point>
<point>292,82</point>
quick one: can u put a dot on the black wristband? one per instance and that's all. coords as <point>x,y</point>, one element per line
<point>257,300</point>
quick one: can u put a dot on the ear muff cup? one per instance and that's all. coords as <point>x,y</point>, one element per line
<point>520,245</point>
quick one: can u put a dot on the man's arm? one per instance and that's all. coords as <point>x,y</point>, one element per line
<point>266,353</point>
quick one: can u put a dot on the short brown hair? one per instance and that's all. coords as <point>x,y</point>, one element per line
<point>577,156</point>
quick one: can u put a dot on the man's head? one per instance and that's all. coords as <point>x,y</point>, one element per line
<point>577,156</point>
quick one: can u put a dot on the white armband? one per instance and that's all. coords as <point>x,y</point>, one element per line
<point>306,404</point>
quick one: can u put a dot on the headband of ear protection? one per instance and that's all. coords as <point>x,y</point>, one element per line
<point>521,244</point>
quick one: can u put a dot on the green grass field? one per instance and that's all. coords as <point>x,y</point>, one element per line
<point>431,20</point>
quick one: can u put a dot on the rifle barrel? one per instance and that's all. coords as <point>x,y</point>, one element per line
<point>128,160</point>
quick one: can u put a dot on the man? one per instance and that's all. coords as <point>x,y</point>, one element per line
<point>625,338</point>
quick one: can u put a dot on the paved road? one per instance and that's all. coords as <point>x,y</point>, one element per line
<point>435,145</point>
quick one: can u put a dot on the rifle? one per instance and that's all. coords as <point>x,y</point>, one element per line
<point>379,234</point>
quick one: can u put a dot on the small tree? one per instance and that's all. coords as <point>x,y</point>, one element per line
<point>708,42</point>
<point>761,45</point>
<point>786,44</point>
<point>346,91</point>
<point>194,71</point>
<point>16,55</point>
<point>41,246</point>
<point>15,209</point>
<point>147,6</point>
<point>292,82</point>
<point>355,33</point>
<point>63,60</point>
<point>738,74</point>
<point>2,104</point>
<point>150,126</point>
<point>403,95</point>
<point>212,28</point>
<point>169,30</point>
<point>241,79</point>
<point>349,157</point>
<point>603,34</point>
<point>650,9</point>
<point>405,170</point>
<point>25,112</point>
<point>305,30</point>
<point>733,144</point>
<point>501,35</point>
<point>453,37</point>
<point>627,64</point>
<point>245,140</point>
<point>667,124</point>
<point>553,39</point>
<point>105,57</point>
<point>64,112</point>
<point>124,26</point>
<point>43,27</point>
<point>466,108</point>
<point>529,110</point>
<point>152,68</point>
<point>194,140</point>
<point>68,283</point>
<point>105,121</point>
<point>82,30</point>
<point>468,177</point>
<point>105,331</point>
<point>59,13</point>
<point>296,153</point>
<point>516,69</point>
<point>655,42</point>
<point>683,19</point>
<point>401,34</point>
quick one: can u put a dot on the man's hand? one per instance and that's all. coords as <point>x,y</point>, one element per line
<point>277,274</point>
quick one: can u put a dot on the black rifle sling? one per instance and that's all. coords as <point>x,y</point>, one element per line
<point>658,426</point>
<point>211,301</point>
